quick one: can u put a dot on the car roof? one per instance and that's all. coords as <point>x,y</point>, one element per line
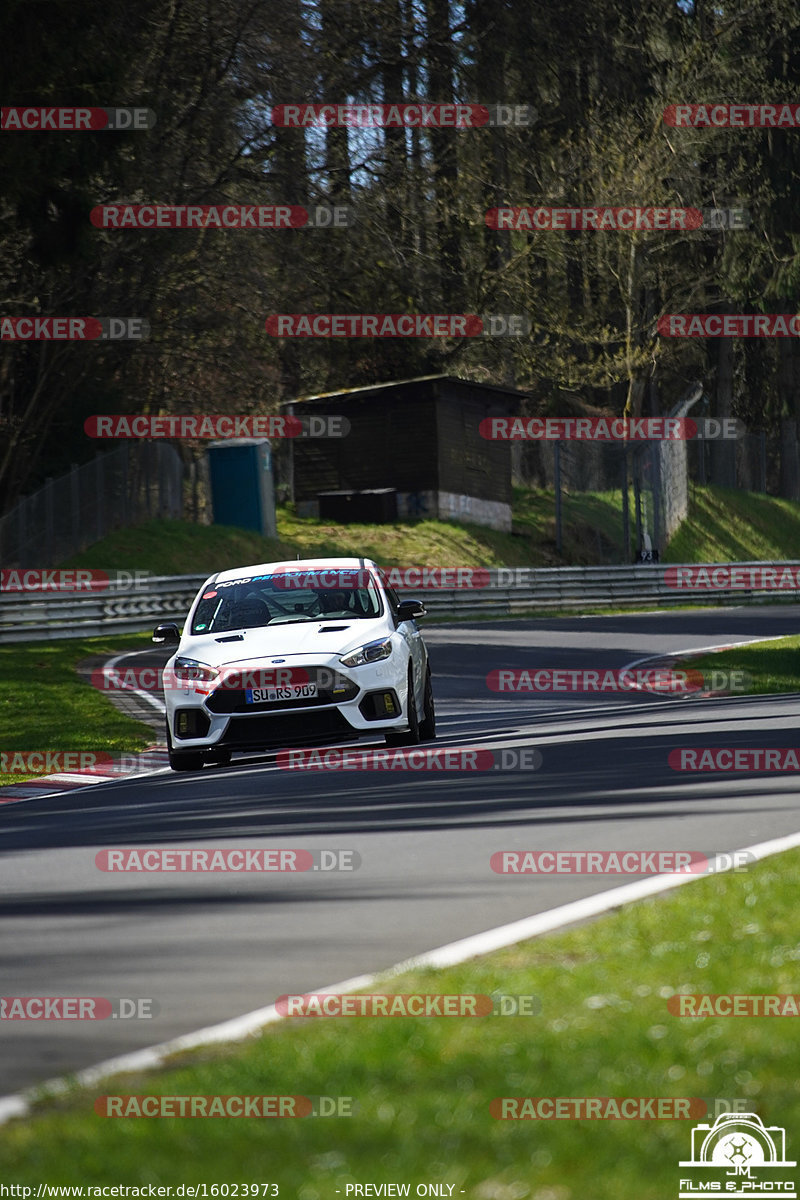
<point>296,564</point>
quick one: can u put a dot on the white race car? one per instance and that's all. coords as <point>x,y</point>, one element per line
<point>295,654</point>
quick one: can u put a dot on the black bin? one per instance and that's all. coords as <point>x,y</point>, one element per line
<point>373,506</point>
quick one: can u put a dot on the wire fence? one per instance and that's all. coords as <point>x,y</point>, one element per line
<point>646,484</point>
<point>123,487</point>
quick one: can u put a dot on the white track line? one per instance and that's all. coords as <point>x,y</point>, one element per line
<point>693,650</point>
<point>696,650</point>
<point>90,778</point>
<point>111,665</point>
<point>238,1028</point>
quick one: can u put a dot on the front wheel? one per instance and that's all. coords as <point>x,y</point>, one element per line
<point>427,726</point>
<point>412,737</point>
<point>183,760</point>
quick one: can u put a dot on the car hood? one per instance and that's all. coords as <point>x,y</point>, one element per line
<point>318,638</point>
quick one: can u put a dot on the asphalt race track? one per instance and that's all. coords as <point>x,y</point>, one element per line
<point>207,947</point>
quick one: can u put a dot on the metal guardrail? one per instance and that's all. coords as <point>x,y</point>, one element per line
<point>32,617</point>
<point>37,617</point>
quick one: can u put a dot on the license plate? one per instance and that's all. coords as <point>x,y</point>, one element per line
<point>294,691</point>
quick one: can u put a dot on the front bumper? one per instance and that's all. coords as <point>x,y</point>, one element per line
<point>351,703</point>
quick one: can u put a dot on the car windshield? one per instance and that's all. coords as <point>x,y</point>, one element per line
<point>287,597</point>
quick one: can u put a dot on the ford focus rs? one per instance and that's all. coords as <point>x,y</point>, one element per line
<point>295,654</point>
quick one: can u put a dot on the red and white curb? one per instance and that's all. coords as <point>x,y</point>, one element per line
<point>154,758</point>
<point>249,1024</point>
<point>696,652</point>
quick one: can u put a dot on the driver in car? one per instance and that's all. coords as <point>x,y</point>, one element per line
<point>336,600</point>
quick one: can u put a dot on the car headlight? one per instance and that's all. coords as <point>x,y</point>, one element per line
<point>189,670</point>
<point>371,653</point>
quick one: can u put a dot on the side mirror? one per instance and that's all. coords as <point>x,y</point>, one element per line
<point>410,610</point>
<point>166,633</point>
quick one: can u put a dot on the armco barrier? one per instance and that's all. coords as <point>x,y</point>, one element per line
<point>32,617</point>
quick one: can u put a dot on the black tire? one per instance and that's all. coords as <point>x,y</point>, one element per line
<point>411,737</point>
<point>427,726</point>
<point>183,760</point>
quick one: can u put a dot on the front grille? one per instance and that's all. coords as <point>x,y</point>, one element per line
<point>257,733</point>
<point>336,690</point>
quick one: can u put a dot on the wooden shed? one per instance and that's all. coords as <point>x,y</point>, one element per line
<point>418,437</point>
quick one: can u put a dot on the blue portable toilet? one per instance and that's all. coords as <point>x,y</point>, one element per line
<point>242,485</point>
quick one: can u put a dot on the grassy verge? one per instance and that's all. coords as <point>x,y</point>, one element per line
<point>728,525</point>
<point>592,533</point>
<point>723,526</point>
<point>423,1086</point>
<point>44,705</point>
<point>768,667</point>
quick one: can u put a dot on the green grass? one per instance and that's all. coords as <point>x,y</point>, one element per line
<point>723,526</point>
<point>728,525</point>
<point>772,666</point>
<point>422,1087</point>
<point>592,533</point>
<point>45,706</point>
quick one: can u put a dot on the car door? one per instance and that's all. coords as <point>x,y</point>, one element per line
<point>411,635</point>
